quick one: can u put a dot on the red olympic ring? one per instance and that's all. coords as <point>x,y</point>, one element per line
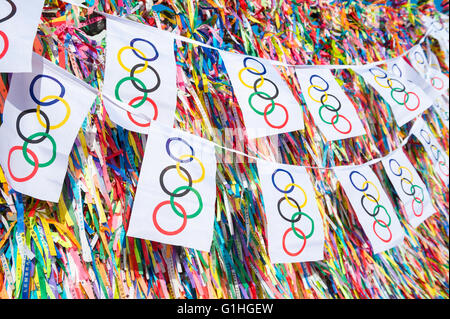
<point>432,83</point>
<point>169,233</point>
<point>6,46</point>
<point>155,108</point>
<point>418,99</point>
<point>35,169</point>
<point>270,124</point>
<point>284,242</point>
<point>442,164</point>
<point>412,204</point>
<point>342,132</point>
<point>390,233</point>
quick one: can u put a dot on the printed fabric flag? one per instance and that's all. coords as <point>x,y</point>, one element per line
<point>294,224</point>
<point>176,194</point>
<point>441,105</point>
<point>267,103</point>
<point>18,26</point>
<point>440,31</point>
<point>43,113</point>
<point>372,207</point>
<point>140,75</point>
<point>438,156</point>
<point>403,70</point>
<point>332,110</point>
<point>409,186</point>
<point>406,99</point>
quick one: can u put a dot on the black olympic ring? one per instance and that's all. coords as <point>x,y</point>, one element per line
<point>284,217</point>
<point>266,98</point>
<point>47,126</point>
<point>375,201</point>
<point>389,81</point>
<point>412,189</point>
<point>12,13</point>
<point>158,80</point>
<point>327,106</point>
<point>161,181</point>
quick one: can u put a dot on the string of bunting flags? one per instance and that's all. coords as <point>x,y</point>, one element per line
<point>176,192</point>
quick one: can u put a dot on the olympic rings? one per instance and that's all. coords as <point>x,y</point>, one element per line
<point>182,141</point>
<point>39,137</point>
<point>400,88</point>
<point>263,95</point>
<point>284,243</point>
<point>399,73</point>
<point>417,54</point>
<point>181,190</point>
<point>325,101</point>
<point>297,216</point>
<point>412,189</point>
<point>136,82</point>
<point>5,44</point>
<point>202,176</point>
<point>35,168</point>
<point>287,199</point>
<point>43,103</point>
<point>376,210</point>
<point>165,232</point>
<point>66,118</point>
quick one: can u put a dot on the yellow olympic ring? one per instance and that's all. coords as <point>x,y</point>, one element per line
<point>376,76</point>
<point>410,174</point>
<point>119,59</point>
<point>287,199</point>
<point>38,111</point>
<point>378,197</point>
<point>198,161</point>
<point>324,92</point>
<point>254,70</point>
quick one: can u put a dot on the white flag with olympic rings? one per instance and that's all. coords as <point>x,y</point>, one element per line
<point>18,26</point>
<point>372,207</point>
<point>267,103</point>
<point>140,75</point>
<point>43,113</point>
<point>406,99</point>
<point>294,224</point>
<point>176,193</point>
<point>437,154</point>
<point>441,105</point>
<point>332,110</point>
<point>409,187</point>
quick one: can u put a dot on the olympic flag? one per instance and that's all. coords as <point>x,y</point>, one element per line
<point>372,207</point>
<point>438,156</point>
<point>18,25</point>
<point>332,110</point>
<point>294,225</point>
<point>140,75</point>
<point>267,103</point>
<point>176,193</point>
<point>406,99</point>
<point>43,112</point>
<point>409,187</point>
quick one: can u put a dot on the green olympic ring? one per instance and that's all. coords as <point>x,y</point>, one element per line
<point>334,109</point>
<point>295,231</point>
<point>200,206</point>
<point>400,103</point>
<point>384,224</point>
<point>131,78</point>
<point>25,146</point>
<point>254,109</point>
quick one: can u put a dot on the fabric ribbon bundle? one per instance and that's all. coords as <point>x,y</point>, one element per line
<point>78,248</point>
